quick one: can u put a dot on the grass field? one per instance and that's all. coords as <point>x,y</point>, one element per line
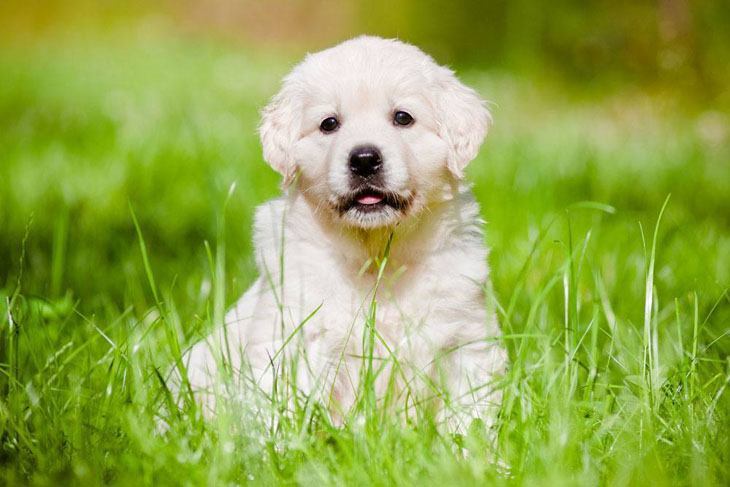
<point>617,321</point>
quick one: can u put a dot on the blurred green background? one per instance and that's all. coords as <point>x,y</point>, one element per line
<point>679,45</point>
<point>105,103</point>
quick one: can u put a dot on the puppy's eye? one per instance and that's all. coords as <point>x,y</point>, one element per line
<point>329,124</point>
<point>402,118</point>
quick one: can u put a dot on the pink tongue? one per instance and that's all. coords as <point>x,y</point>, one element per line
<point>369,199</point>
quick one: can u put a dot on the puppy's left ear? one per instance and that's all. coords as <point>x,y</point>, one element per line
<point>463,121</point>
<point>279,129</point>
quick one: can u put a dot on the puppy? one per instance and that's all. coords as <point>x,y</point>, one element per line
<point>372,265</point>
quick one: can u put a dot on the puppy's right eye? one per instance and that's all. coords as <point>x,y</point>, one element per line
<point>329,124</point>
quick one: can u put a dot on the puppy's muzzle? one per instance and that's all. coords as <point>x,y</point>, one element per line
<point>365,161</point>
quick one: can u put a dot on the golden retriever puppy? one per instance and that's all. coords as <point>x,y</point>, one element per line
<point>372,265</point>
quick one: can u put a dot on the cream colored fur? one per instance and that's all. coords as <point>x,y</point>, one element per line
<point>436,340</point>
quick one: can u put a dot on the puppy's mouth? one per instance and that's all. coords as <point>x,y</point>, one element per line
<point>372,200</point>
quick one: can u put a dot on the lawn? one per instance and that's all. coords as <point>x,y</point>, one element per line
<point>616,314</point>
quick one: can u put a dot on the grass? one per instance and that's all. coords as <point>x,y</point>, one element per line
<point>613,296</point>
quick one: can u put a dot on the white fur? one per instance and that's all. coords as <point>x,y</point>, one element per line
<point>431,316</point>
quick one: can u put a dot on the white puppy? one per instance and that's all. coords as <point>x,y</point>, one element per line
<point>376,228</point>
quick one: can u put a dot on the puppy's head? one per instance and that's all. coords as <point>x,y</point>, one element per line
<point>375,128</point>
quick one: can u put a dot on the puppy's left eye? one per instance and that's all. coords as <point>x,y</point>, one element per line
<point>402,118</point>
<point>329,124</point>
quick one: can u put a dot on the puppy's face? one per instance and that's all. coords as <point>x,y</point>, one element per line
<point>376,130</point>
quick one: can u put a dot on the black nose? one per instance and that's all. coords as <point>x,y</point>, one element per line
<point>365,161</point>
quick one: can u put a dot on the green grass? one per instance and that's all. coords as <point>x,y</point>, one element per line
<point>617,321</point>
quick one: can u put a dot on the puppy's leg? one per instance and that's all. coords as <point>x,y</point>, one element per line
<point>208,361</point>
<point>472,388</point>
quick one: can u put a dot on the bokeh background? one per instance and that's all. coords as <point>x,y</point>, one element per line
<point>677,44</point>
<point>105,104</point>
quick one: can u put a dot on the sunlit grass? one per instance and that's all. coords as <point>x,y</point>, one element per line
<point>616,322</point>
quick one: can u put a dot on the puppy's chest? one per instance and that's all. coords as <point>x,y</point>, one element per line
<point>404,304</point>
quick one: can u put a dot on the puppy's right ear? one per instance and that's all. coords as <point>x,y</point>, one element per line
<point>279,129</point>
<point>463,120</point>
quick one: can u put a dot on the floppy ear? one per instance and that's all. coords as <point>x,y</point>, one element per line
<point>463,121</point>
<point>280,125</point>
